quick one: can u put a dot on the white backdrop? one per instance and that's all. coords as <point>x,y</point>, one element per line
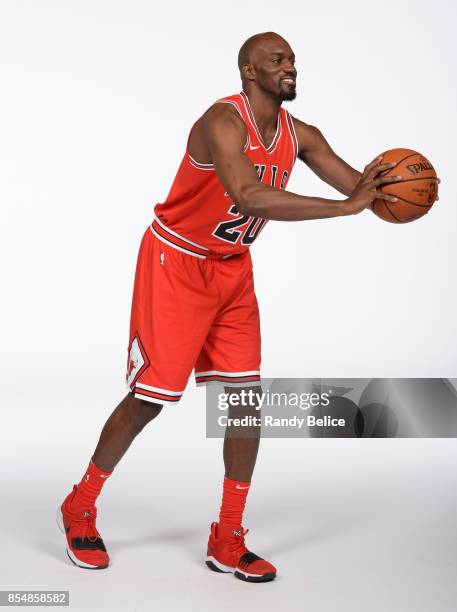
<point>97,101</point>
<point>97,98</point>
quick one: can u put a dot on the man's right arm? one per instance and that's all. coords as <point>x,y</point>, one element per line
<point>225,135</point>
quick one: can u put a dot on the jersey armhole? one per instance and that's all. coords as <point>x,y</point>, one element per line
<point>199,165</point>
<point>293,134</point>
<point>193,162</point>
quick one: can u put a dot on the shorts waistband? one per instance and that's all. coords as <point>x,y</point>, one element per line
<point>175,240</point>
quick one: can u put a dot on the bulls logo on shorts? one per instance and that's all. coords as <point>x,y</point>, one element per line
<point>137,362</point>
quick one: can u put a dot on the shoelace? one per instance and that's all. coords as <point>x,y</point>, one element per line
<point>89,520</point>
<point>237,544</point>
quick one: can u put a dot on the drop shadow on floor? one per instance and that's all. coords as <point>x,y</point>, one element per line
<point>53,549</point>
<point>289,528</point>
<point>179,537</point>
<point>310,523</point>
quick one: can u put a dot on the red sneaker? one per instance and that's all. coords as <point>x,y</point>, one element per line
<point>84,544</point>
<point>228,553</point>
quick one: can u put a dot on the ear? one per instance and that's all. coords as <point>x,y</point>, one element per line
<point>248,72</point>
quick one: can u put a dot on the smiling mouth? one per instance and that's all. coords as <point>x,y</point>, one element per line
<point>290,81</point>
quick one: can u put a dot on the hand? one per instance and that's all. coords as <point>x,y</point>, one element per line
<point>365,191</point>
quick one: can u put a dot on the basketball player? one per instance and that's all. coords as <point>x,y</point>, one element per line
<point>194,304</point>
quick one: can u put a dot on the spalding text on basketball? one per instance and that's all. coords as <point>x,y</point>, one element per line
<point>415,169</point>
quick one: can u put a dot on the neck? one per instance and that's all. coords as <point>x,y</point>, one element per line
<point>264,106</point>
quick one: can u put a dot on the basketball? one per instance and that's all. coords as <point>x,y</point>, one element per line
<point>416,192</point>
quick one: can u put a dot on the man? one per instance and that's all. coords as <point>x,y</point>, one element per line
<point>194,304</point>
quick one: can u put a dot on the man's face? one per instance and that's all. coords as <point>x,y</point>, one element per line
<point>274,68</point>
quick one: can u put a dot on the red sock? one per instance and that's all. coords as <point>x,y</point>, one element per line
<point>90,486</point>
<point>233,502</point>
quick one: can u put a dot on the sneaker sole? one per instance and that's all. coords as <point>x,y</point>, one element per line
<point>216,566</point>
<point>253,577</point>
<point>70,555</point>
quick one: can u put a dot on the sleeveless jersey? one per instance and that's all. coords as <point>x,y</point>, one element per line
<point>198,217</point>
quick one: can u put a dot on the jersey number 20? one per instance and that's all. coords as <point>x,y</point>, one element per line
<point>228,230</point>
<point>246,227</point>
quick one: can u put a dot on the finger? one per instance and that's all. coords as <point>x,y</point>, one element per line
<point>383,167</point>
<point>379,169</point>
<point>384,196</point>
<point>385,180</point>
<point>372,164</point>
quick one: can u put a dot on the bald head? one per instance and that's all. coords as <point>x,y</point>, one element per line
<point>256,43</point>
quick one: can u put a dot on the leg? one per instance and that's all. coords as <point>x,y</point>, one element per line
<point>77,515</point>
<point>227,551</point>
<point>124,424</point>
<point>241,444</point>
<point>164,344</point>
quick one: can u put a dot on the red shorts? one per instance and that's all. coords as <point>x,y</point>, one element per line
<point>191,312</point>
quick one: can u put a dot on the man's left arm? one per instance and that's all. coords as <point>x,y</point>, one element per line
<point>315,151</point>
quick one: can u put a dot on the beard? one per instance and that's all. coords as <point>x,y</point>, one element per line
<point>288,95</point>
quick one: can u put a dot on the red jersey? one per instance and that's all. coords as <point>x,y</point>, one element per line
<point>198,217</point>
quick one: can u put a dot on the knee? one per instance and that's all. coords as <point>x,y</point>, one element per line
<point>247,401</point>
<point>142,412</point>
